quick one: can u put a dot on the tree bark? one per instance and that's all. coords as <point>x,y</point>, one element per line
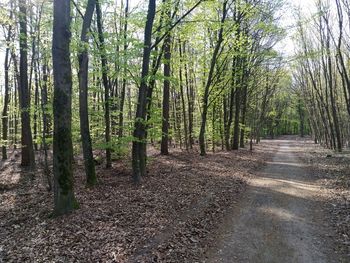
<point>64,200</point>
<point>166,97</point>
<point>28,158</point>
<point>183,98</point>
<point>83,59</point>
<point>139,143</point>
<point>122,94</point>
<point>5,119</point>
<point>106,84</point>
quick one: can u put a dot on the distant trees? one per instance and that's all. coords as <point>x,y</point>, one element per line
<point>323,74</point>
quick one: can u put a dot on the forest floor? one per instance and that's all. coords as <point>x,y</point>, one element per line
<point>188,209</point>
<point>169,218</point>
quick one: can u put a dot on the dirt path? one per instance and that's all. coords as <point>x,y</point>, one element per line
<point>280,217</point>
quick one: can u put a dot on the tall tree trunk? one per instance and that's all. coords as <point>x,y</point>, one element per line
<point>166,97</point>
<point>244,111</point>
<point>6,106</point>
<point>36,105</point>
<point>106,84</point>
<point>83,75</point>
<point>5,119</point>
<point>183,99</point>
<point>139,143</point>
<point>46,118</point>
<point>28,158</point>
<point>235,144</point>
<point>64,200</point>
<point>190,99</point>
<point>122,94</point>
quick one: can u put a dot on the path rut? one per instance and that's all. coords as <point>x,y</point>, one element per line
<point>280,218</point>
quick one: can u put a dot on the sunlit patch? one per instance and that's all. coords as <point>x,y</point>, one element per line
<point>288,163</point>
<point>290,187</point>
<point>281,213</point>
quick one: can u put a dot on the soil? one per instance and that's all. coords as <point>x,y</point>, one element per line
<point>281,217</point>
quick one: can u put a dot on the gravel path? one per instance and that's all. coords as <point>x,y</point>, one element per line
<point>280,218</point>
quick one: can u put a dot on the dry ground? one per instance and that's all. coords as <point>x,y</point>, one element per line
<point>281,215</point>
<point>182,208</point>
<point>333,172</point>
<point>166,219</point>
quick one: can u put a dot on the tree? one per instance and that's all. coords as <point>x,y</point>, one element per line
<point>28,158</point>
<point>83,59</point>
<point>7,91</point>
<point>166,91</point>
<point>64,199</point>
<point>122,95</point>
<point>139,143</point>
<point>106,83</point>
<point>210,78</point>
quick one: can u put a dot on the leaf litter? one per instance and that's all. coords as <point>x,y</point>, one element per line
<point>168,218</point>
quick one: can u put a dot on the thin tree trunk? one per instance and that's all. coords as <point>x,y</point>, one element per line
<point>83,76</point>
<point>45,129</point>
<point>244,111</point>
<point>5,119</point>
<point>166,97</point>
<point>106,84</point>
<point>235,144</point>
<point>6,106</point>
<point>122,94</point>
<point>183,98</point>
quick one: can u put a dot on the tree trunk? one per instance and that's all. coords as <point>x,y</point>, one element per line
<point>244,111</point>
<point>122,94</point>
<point>6,95</point>
<point>190,101</point>
<point>83,59</point>
<point>235,144</point>
<point>45,128</point>
<point>106,84</point>
<point>64,200</point>
<point>139,143</point>
<point>28,158</point>
<point>166,97</point>
<point>183,99</point>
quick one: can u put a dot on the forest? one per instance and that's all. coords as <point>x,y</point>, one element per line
<point>131,130</point>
